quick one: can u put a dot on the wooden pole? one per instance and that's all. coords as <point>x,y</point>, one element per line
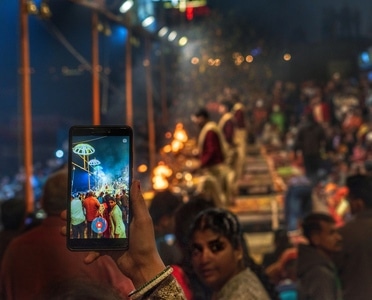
<point>95,71</point>
<point>26,105</point>
<point>129,80</point>
<point>150,107</point>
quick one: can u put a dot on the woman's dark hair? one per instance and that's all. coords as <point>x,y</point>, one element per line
<point>219,221</point>
<point>226,223</point>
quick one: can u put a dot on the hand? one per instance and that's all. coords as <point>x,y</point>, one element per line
<point>141,262</point>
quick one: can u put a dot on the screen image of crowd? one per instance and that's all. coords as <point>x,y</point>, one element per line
<point>100,214</point>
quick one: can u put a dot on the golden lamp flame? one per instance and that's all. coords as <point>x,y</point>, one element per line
<point>176,145</point>
<point>159,183</point>
<point>180,133</point>
<point>162,170</point>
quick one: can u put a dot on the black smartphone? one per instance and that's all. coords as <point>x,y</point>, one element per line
<point>100,167</point>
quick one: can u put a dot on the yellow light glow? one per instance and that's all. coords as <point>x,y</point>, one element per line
<point>167,148</point>
<point>287,57</point>
<point>159,183</point>
<point>180,133</point>
<point>188,177</point>
<point>176,145</point>
<point>189,163</point>
<point>162,170</point>
<point>195,60</point>
<point>183,41</point>
<point>142,168</point>
<point>249,58</point>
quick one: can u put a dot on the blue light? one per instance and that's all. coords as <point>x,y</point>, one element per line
<point>256,51</point>
<point>119,34</point>
<point>59,153</point>
<point>365,57</point>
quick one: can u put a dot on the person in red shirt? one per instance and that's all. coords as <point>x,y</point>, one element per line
<point>91,205</point>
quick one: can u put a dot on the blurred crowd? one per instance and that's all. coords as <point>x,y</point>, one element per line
<point>319,137</point>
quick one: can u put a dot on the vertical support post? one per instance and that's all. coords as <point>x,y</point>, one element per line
<point>150,107</point>
<point>129,80</point>
<point>26,105</point>
<point>95,71</point>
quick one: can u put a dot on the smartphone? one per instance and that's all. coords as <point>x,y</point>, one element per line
<point>100,167</point>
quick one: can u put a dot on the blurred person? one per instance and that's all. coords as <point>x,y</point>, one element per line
<point>212,157</point>
<point>281,243</point>
<point>12,214</point>
<point>316,272</point>
<point>141,262</point>
<point>310,142</point>
<point>39,257</point>
<point>337,204</point>
<point>100,197</point>
<point>271,137</point>
<point>220,260</point>
<point>228,128</point>
<point>77,218</point>
<point>260,116</point>
<point>91,205</point>
<point>297,200</point>
<point>355,261</point>
<point>283,273</point>
<point>240,134</point>
<point>162,210</point>
<point>278,118</point>
<point>319,109</point>
<point>117,226</point>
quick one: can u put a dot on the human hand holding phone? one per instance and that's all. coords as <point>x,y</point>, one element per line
<point>141,262</point>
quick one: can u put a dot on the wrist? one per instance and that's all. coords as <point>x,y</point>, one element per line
<point>153,283</point>
<point>145,272</point>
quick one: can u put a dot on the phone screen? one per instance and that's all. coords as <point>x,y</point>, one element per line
<point>100,174</point>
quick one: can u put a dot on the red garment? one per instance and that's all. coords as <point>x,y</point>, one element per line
<point>240,119</point>
<point>228,131</point>
<point>321,112</point>
<point>182,280</point>
<point>39,257</point>
<point>91,205</point>
<point>211,154</point>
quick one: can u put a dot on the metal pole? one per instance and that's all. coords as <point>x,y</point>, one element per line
<point>129,80</point>
<point>26,105</point>
<point>95,70</point>
<point>150,108</point>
